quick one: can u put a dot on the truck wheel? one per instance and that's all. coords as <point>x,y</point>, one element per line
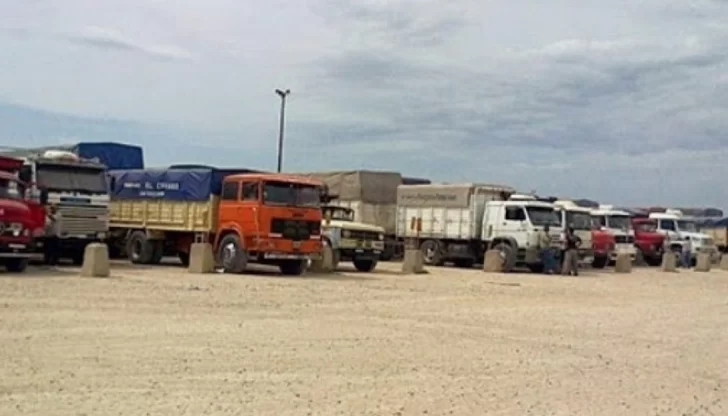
<point>509,254</point>
<point>655,260</point>
<point>158,252</point>
<point>184,258</point>
<point>292,267</point>
<point>432,253</point>
<point>600,262</point>
<point>536,267</point>
<point>231,255</point>
<point>365,265</point>
<point>16,265</point>
<point>464,263</point>
<point>139,249</point>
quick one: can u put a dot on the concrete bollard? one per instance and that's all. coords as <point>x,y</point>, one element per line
<point>669,262</point>
<point>324,263</point>
<point>95,260</point>
<point>703,263</point>
<point>201,258</point>
<point>623,263</point>
<point>493,262</point>
<point>413,262</point>
<point>724,262</point>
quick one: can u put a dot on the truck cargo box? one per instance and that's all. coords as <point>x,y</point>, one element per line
<point>372,195</point>
<point>166,199</point>
<point>452,212</point>
<point>718,231</point>
<point>113,155</point>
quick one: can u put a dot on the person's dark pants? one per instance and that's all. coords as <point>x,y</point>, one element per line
<point>687,259</point>
<point>51,250</point>
<point>548,260</point>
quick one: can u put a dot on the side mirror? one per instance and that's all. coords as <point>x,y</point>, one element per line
<point>43,196</point>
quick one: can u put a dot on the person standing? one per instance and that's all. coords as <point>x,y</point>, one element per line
<point>687,253</point>
<point>571,257</point>
<point>51,246</point>
<point>546,252</point>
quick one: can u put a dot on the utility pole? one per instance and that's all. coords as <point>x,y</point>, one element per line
<point>283,95</point>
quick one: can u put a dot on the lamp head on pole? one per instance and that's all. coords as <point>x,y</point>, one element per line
<point>283,93</point>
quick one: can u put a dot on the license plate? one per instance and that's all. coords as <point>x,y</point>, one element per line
<point>296,244</point>
<point>17,246</point>
<point>359,250</point>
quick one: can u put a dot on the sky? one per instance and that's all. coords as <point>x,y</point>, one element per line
<point>624,101</point>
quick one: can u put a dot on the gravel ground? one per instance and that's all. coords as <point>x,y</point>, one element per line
<point>160,341</point>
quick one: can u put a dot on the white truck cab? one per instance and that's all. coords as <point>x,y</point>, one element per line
<point>618,223</point>
<point>572,215</point>
<point>678,229</point>
<point>512,227</point>
<point>359,243</point>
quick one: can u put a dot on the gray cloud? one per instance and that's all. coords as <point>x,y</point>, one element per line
<point>109,39</point>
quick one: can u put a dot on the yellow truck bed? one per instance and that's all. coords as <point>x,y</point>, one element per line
<point>164,215</point>
<point>718,234</point>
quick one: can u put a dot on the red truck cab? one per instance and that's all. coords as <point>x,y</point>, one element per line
<point>16,224</point>
<point>603,243</point>
<point>649,242</point>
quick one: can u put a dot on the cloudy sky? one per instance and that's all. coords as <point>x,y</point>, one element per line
<point>623,101</point>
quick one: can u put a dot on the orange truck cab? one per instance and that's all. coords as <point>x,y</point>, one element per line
<point>263,218</point>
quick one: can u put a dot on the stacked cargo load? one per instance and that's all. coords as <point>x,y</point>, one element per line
<point>110,154</point>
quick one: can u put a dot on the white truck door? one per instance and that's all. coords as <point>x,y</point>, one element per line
<point>515,224</point>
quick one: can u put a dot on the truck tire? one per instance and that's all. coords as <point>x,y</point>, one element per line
<point>600,262</point>
<point>158,250</point>
<point>509,254</point>
<point>231,254</point>
<point>536,267</point>
<point>365,265</point>
<point>432,253</point>
<point>138,248</point>
<point>16,265</point>
<point>292,267</point>
<point>184,258</point>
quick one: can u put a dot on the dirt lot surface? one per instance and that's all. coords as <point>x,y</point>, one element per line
<point>160,341</point>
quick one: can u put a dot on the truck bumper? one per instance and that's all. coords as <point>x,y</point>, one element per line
<point>285,256</point>
<point>359,253</point>
<point>15,250</point>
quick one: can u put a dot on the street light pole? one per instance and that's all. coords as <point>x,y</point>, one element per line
<point>283,95</point>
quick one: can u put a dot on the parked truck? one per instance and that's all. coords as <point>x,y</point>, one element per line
<point>718,231</point>
<point>649,242</point>
<point>579,218</point>
<point>16,223</point>
<point>460,221</point>
<point>373,198</point>
<point>271,219</point>
<point>77,187</point>
<point>678,229</point>
<point>618,223</point>
<point>349,240</point>
<point>603,243</point>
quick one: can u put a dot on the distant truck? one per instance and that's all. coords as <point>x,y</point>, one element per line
<point>573,215</point>
<point>718,231</point>
<point>77,187</point>
<point>359,243</point>
<point>372,195</point>
<point>248,217</point>
<point>679,229</point>
<point>650,243</point>
<point>603,243</point>
<point>460,221</point>
<point>16,221</point>
<point>618,223</point>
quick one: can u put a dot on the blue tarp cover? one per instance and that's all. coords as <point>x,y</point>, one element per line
<point>113,155</point>
<point>168,184</point>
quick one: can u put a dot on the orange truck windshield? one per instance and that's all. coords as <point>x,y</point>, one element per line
<point>291,194</point>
